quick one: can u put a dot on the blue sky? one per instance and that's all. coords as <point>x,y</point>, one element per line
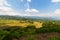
<point>31,7</point>
<point>44,6</point>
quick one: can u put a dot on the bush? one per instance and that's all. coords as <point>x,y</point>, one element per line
<point>3,34</point>
<point>30,30</point>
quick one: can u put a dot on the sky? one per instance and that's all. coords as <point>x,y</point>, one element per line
<point>42,8</point>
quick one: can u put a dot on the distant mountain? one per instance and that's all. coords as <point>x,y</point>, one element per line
<point>9,17</point>
<point>26,17</point>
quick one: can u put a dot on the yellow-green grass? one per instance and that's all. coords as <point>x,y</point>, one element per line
<point>19,23</point>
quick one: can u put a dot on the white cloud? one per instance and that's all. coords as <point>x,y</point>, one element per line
<point>34,10</point>
<point>55,0</point>
<point>2,2</point>
<point>6,4</point>
<point>27,10</point>
<point>31,10</point>
<point>28,0</point>
<point>57,11</point>
<point>5,8</point>
<point>7,11</point>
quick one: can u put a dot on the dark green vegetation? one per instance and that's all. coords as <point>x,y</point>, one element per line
<point>10,33</point>
<point>54,38</point>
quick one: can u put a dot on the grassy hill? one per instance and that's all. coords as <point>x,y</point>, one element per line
<point>16,27</point>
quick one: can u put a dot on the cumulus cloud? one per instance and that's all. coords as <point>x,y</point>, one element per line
<point>31,10</point>
<point>28,0</point>
<point>2,2</point>
<point>34,10</point>
<point>5,8</point>
<point>55,0</point>
<point>7,11</point>
<point>6,3</point>
<point>56,13</point>
<point>28,10</point>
